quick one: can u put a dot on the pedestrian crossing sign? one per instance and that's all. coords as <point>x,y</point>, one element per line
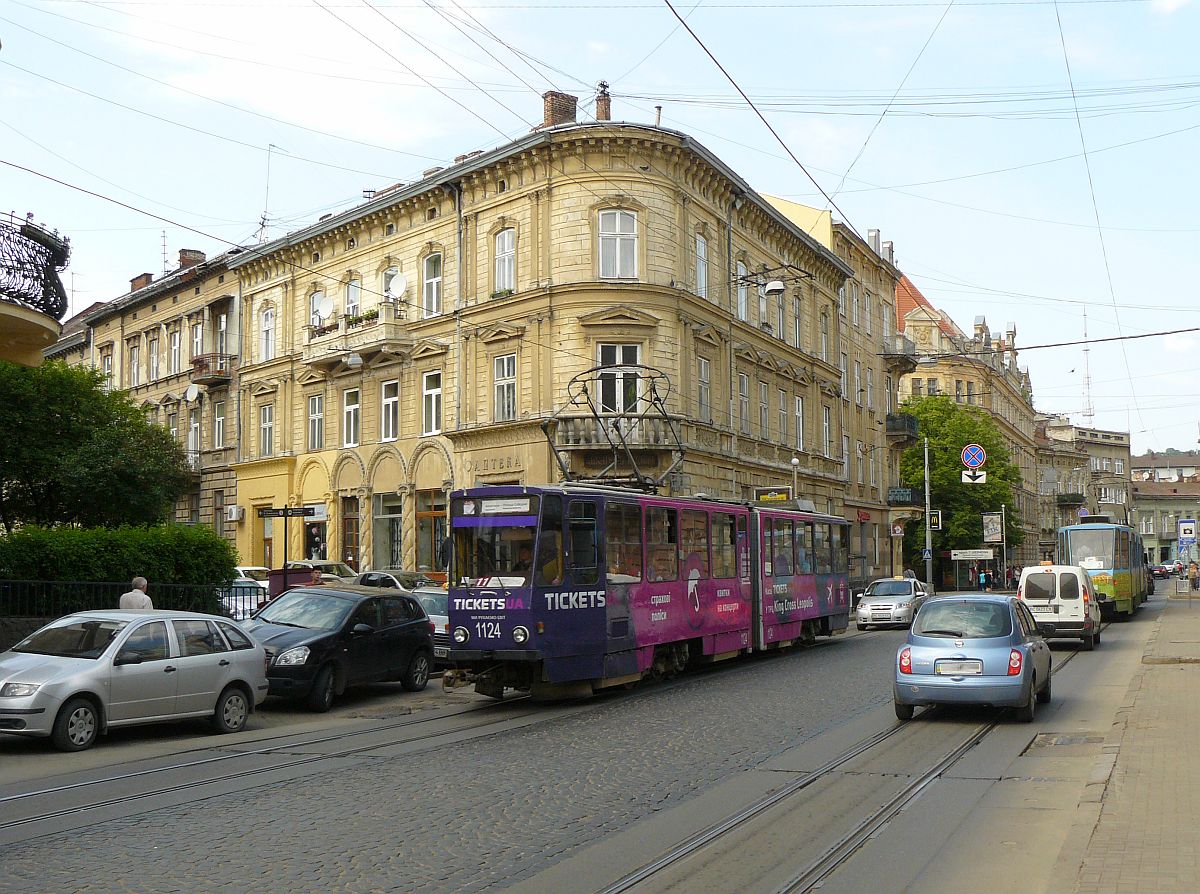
<point>926,554</point>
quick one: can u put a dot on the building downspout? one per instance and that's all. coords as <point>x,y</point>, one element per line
<point>458,306</point>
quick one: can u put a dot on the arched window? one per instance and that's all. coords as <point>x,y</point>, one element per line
<point>618,244</point>
<point>505,272</point>
<point>432,285</point>
<point>267,334</point>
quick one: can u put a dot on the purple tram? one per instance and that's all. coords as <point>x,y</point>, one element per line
<point>562,590</point>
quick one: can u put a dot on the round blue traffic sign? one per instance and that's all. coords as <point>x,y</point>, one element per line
<point>973,456</point>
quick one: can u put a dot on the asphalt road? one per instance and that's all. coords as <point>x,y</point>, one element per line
<point>582,788</point>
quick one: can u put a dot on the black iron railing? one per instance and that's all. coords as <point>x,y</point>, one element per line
<point>53,599</point>
<point>30,260</point>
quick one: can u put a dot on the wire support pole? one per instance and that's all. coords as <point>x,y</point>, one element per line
<point>928,528</point>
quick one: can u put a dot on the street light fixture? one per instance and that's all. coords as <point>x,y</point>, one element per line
<point>795,476</point>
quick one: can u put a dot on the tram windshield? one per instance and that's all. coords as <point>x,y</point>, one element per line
<point>1092,550</point>
<point>494,540</point>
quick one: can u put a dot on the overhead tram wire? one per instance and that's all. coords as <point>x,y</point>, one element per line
<point>762,118</point>
<point>904,80</point>
<point>219,102</point>
<point>1095,207</point>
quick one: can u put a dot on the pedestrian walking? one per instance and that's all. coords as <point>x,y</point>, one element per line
<point>136,598</point>
<point>1191,573</point>
<point>982,579</point>
<point>971,573</point>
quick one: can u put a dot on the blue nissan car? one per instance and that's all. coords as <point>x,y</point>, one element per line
<point>978,650</point>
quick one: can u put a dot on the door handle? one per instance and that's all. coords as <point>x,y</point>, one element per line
<point>168,669</point>
<point>223,663</point>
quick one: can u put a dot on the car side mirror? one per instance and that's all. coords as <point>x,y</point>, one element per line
<point>127,656</point>
<point>362,629</point>
<point>1047,629</point>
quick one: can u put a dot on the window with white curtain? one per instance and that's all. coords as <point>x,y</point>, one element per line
<point>432,286</point>
<point>701,266</point>
<point>389,410</point>
<point>504,387</point>
<point>505,272</point>
<point>351,417</point>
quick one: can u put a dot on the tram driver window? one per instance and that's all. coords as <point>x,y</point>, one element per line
<point>662,540</point>
<point>585,545</point>
<point>623,542</point>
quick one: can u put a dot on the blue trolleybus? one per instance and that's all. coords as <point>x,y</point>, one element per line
<point>1113,556</point>
<point>562,590</point>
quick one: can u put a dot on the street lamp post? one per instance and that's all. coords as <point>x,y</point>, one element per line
<point>795,477</point>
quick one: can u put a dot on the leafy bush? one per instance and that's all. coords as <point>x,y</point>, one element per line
<point>167,554</point>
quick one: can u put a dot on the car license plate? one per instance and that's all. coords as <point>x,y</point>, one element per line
<point>959,668</point>
<point>440,651</point>
<point>1044,609</point>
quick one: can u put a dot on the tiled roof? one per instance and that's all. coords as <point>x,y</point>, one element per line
<point>1166,489</point>
<point>909,297</point>
<point>1188,459</point>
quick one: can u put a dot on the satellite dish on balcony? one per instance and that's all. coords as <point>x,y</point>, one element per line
<point>398,285</point>
<point>325,307</point>
<point>193,391</point>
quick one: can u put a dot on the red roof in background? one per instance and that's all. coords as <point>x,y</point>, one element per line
<point>909,297</point>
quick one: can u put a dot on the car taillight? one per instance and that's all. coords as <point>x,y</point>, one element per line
<point>1020,592</point>
<point>1087,597</point>
<point>1014,662</point>
<point>432,627</point>
<point>906,661</point>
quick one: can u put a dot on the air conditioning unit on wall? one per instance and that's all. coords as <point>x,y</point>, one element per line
<point>235,513</point>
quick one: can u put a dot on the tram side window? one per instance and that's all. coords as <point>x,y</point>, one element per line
<point>623,542</point>
<point>662,540</point>
<point>768,545</point>
<point>743,545</point>
<point>841,548</point>
<point>822,550</point>
<point>724,546</point>
<point>804,547</point>
<point>585,542</point>
<point>548,566</point>
<point>782,535</point>
<point>695,540</point>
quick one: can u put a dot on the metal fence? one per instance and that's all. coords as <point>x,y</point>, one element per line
<point>53,599</point>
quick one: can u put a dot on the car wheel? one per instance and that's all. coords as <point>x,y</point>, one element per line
<point>862,626</point>
<point>231,712</point>
<point>417,674</point>
<point>1046,695</point>
<point>77,725</point>
<point>320,697</point>
<point>1026,711</point>
<point>904,712</point>
<point>1097,636</point>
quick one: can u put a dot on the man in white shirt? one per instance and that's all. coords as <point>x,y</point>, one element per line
<point>137,598</point>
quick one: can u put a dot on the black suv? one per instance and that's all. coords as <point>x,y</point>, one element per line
<point>320,640</point>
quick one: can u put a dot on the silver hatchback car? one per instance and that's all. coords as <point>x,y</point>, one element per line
<point>889,601</point>
<point>89,672</point>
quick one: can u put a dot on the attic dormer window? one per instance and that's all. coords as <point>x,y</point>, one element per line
<point>501,185</point>
<point>316,257</point>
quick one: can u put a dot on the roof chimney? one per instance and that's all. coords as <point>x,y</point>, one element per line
<point>558,108</point>
<point>140,281</point>
<point>873,240</point>
<point>888,254</point>
<point>190,257</point>
<point>603,103</point>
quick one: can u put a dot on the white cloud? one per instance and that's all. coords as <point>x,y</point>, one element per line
<point>1179,344</point>
<point>1169,6</point>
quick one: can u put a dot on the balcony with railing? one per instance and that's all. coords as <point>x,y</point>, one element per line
<point>213,369</point>
<point>32,297</point>
<point>899,353</point>
<point>900,427</point>
<point>334,342</point>
<point>1070,499</point>
<point>586,432</point>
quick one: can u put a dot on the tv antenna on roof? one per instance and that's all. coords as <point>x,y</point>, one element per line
<point>262,221</point>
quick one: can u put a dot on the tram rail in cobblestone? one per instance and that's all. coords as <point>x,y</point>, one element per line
<point>813,875</point>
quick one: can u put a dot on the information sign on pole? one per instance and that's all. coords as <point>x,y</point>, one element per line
<point>972,555</point>
<point>971,476</point>
<point>993,527</point>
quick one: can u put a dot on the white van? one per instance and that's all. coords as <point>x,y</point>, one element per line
<point>1062,595</point>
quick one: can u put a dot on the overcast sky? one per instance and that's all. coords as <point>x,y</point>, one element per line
<point>1031,161</point>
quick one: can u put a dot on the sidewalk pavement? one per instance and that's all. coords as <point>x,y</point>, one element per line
<point>1147,835</point>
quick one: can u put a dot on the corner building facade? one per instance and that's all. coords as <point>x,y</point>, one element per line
<point>415,343</point>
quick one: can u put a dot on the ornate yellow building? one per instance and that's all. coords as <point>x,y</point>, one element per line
<point>420,341</point>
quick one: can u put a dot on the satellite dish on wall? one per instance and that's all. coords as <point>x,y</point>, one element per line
<point>325,307</point>
<point>399,284</point>
<point>193,391</point>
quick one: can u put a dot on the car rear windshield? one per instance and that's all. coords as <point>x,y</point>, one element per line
<point>302,608</point>
<point>890,588</point>
<point>258,574</point>
<point>1039,585</point>
<point>434,602</point>
<point>963,620</point>
<point>72,638</point>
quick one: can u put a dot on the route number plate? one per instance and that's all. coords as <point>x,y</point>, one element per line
<point>959,668</point>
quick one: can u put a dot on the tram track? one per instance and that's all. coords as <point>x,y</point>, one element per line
<point>813,875</point>
<point>11,801</point>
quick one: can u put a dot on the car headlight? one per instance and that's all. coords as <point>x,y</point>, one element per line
<point>903,605</point>
<point>461,635</point>
<point>520,634</point>
<point>292,657</point>
<point>18,690</point>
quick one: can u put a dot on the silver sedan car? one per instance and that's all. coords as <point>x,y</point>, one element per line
<point>90,672</point>
<point>889,602</point>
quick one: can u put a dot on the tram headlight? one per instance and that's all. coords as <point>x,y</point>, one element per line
<point>520,634</point>
<point>461,635</point>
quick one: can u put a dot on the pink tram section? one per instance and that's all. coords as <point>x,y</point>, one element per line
<point>562,590</point>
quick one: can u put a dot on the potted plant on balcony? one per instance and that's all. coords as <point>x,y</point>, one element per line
<point>501,293</point>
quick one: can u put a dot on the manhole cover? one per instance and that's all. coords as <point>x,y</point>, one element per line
<point>1046,740</point>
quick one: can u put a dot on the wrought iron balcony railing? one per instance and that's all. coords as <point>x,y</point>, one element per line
<point>901,426</point>
<point>212,369</point>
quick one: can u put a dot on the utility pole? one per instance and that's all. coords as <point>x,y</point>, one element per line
<point>928,530</point>
<point>1004,542</point>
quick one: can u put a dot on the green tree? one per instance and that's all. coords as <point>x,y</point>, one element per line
<point>950,426</point>
<point>76,453</point>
